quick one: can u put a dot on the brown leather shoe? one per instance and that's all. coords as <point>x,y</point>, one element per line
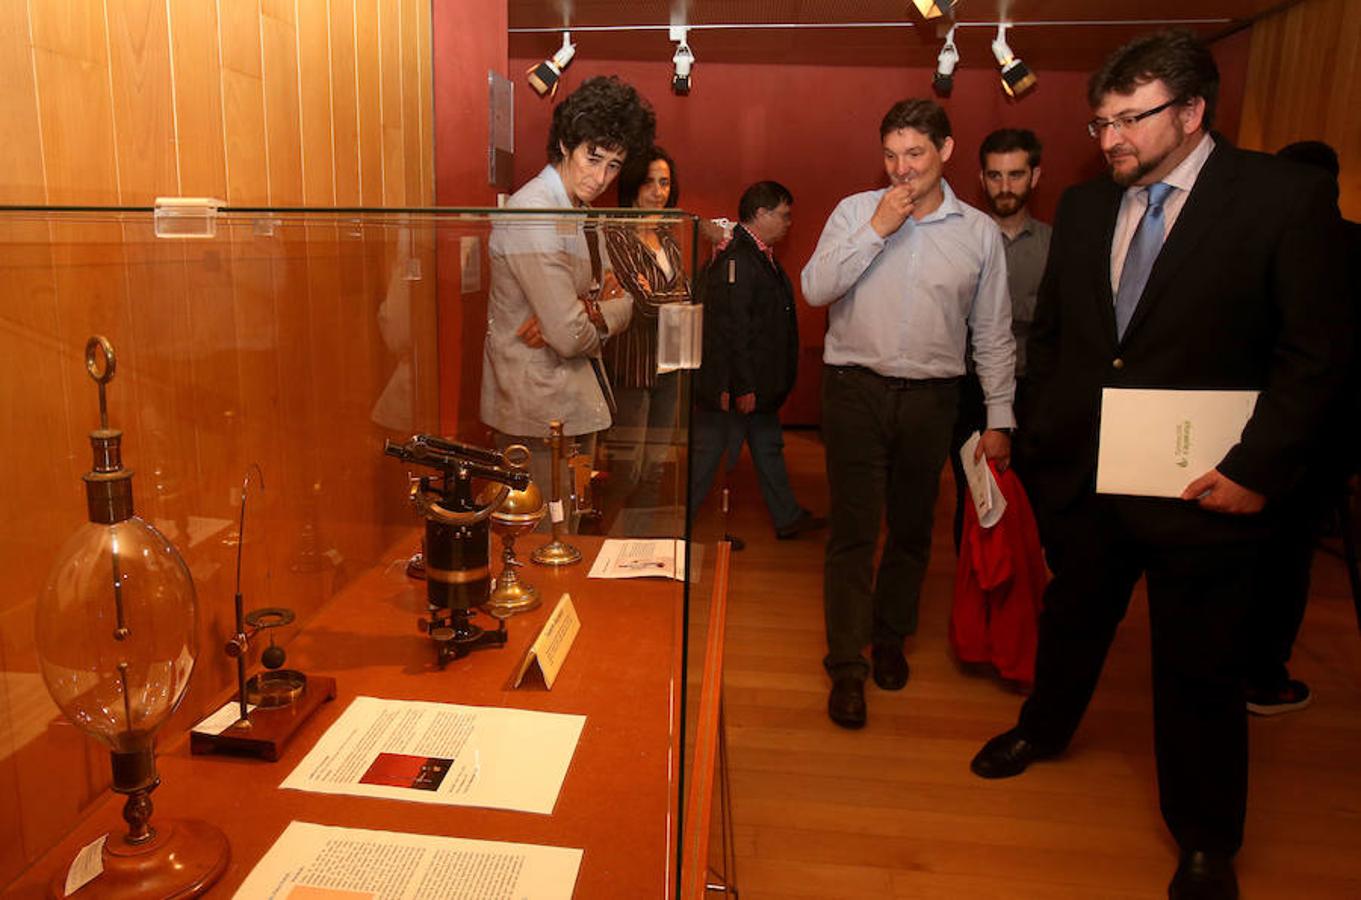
<point>806,521</point>
<point>1007,754</point>
<point>846,703</point>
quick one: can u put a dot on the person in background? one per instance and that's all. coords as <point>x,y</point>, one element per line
<point>751,358</point>
<point>1283,589</point>
<point>908,272</point>
<point>1193,265</point>
<point>648,263</point>
<point>551,307</point>
<point>1009,169</point>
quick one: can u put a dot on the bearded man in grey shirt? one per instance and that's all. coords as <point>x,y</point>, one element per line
<point>1009,169</point>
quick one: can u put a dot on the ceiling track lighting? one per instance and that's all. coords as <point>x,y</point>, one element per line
<point>1016,75</point>
<point>683,60</point>
<point>932,9</point>
<point>944,80</point>
<point>543,78</point>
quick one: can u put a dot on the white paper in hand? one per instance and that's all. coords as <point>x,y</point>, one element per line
<point>988,501</point>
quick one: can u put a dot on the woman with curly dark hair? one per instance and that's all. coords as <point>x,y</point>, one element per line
<point>551,306</point>
<point>648,263</point>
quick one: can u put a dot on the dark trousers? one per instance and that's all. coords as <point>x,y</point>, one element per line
<point>1198,602</point>
<point>717,435</point>
<point>886,441</point>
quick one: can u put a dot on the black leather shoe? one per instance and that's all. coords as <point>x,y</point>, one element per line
<point>1006,755</point>
<point>890,667</point>
<point>806,521</point>
<point>846,703</point>
<point>1203,876</point>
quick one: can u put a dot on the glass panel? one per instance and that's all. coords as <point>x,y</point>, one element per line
<point>305,342</point>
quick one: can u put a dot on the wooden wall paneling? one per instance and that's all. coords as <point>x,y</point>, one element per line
<point>239,33</point>
<point>73,28</point>
<point>344,104</point>
<point>424,52</point>
<point>1302,85</point>
<point>77,128</point>
<point>196,62</point>
<point>314,91</point>
<point>413,114</point>
<point>143,100</point>
<point>21,162</point>
<point>390,95</point>
<point>370,103</point>
<point>283,138</point>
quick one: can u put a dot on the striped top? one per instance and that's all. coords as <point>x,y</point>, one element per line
<point>631,357</point>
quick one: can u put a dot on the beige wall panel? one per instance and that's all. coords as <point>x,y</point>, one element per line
<point>370,103</point>
<point>70,27</point>
<point>21,161</point>
<point>390,71</point>
<point>1302,84</point>
<point>283,138</point>
<point>344,104</point>
<point>244,115</point>
<point>412,114</point>
<point>143,104</point>
<point>424,50</point>
<point>77,127</point>
<point>239,28</point>
<point>285,10</point>
<point>198,98</point>
<point>314,74</point>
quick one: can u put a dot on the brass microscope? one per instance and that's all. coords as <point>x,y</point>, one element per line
<point>458,533</point>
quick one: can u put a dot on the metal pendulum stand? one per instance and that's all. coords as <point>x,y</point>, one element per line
<point>556,552</point>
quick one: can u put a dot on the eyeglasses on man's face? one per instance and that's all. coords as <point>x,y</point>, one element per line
<point>1120,123</point>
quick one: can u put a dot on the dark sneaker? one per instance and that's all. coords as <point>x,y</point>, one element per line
<point>1283,698</point>
<point>806,521</point>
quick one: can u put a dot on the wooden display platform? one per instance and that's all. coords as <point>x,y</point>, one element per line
<point>270,728</point>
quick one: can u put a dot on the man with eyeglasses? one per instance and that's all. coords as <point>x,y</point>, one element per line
<point>1195,265</point>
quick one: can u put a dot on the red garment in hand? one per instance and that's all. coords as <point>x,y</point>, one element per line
<point>999,585</point>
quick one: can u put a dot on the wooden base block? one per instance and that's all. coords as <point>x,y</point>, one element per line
<point>269,729</point>
<point>184,859</point>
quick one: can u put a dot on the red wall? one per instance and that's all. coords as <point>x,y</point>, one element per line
<point>816,130</point>
<point>469,39</point>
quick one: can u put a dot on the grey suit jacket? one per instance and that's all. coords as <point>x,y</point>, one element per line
<point>541,267</point>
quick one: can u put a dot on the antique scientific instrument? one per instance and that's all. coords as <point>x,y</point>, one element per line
<point>457,534</point>
<point>272,704</point>
<point>115,634</point>
<point>519,514</point>
<point>558,552</point>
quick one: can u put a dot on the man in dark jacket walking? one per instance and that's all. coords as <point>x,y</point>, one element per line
<point>751,346</point>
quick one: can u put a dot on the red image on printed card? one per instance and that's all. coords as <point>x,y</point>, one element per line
<point>423,773</point>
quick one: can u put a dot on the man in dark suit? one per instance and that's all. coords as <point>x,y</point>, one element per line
<point>1194,266</point>
<point>751,358</point>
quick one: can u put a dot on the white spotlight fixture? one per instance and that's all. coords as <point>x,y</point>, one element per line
<point>684,60</point>
<point>944,80</point>
<point>931,9</point>
<point>543,78</point>
<point>1016,75</point>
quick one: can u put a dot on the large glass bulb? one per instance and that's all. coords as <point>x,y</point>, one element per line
<point>116,626</point>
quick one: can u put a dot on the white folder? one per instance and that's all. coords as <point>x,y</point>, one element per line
<point>1156,442</point>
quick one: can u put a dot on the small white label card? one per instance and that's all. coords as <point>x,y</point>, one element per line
<point>550,648</point>
<point>87,866</point>
<point>225,717</point>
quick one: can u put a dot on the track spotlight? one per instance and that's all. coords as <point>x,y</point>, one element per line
<point>684,60</point>
<point>1016,75</point>
<point>543,78</point>
<point>931,9</point>
<point>944,80</point>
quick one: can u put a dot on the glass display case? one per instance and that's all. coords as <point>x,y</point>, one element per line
<point>383,370</point>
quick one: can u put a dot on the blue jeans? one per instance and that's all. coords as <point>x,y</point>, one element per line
<point>716,434</point>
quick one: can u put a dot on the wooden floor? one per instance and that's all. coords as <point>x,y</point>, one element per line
<point>893,811</point>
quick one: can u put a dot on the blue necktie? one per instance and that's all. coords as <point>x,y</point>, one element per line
<point>1143,250</point>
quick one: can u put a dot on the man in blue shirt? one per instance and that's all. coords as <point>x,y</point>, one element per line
<point>908,272</point>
